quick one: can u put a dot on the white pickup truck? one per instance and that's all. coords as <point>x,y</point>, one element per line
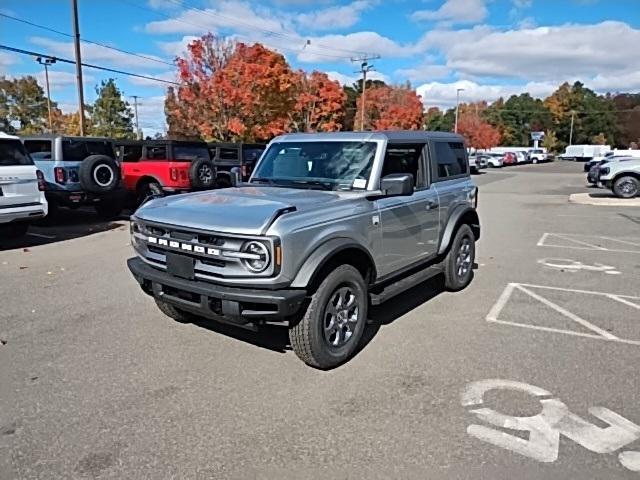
<point>21,189</point>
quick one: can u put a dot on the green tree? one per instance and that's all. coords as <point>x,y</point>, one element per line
<point>521,115</point>
<point>23,103</point>
<point>112,116</point>
<point>353,92</point>
<point>435,120</point>
<point>627,107</point>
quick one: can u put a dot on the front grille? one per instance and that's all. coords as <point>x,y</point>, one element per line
<point>210,251</point>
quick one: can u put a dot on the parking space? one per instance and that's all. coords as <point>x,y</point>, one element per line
<point>530,372</point>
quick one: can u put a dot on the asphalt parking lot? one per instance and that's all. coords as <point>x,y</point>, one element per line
<point>531,372</point>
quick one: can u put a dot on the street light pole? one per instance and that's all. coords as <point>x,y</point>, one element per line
<point>46,62</point>
<point>458,90</point>
<point>135,109</point>
<point>573,114</point>
<point>364,69</point>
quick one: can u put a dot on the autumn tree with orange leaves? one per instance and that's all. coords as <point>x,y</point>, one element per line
<point>477,132</point>
<point>391,108</point>
<point>237,92</point>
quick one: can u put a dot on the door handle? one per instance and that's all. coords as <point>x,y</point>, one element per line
<point>431,204</point>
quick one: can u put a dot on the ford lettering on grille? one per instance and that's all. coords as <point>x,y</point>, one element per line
<point>187,247</point>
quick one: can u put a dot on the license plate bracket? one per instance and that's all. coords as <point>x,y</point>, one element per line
<point>180,266</point>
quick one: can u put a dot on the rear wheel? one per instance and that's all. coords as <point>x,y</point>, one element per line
<point>223,182</point>
<point>626,187</point>
<point>178,315</point>
<point>333,324</point>
<point>148,190</point>
<point>460,259</point>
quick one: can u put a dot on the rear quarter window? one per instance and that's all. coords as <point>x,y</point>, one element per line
<point>450,159</point>
<point>12,153</point>
<point>78,150</point>
<point>39,149</point>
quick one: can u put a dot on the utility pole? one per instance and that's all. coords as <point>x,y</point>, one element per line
<point>458,90</point>
<point>76,41</point>
<point>46,62</point>
<point>365,68</point>
<point>573,114</point>
<point>135,109</point>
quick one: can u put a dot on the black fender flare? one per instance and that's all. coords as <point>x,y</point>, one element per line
<point>452,225</point>
<point>322,255</point>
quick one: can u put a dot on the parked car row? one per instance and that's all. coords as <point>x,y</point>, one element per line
<point>55,171</point>
<point>620,174</point>
<point>503,158</point>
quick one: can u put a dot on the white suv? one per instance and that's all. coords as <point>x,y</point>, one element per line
<point>21,189</point>
<point>622,177</point>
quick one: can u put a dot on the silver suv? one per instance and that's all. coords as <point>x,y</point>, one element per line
<point>328,224</point>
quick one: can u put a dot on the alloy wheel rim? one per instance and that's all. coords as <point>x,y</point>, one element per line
<point>628,187</point>
<point>205,174</point>
<point>463,258</point>
<point>103,175</point>
<point>340,317</point>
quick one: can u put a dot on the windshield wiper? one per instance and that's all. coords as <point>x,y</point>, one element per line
<point>268,181</point>
<point>314,183</point>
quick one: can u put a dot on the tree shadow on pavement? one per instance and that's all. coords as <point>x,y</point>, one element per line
<point>276,338</point>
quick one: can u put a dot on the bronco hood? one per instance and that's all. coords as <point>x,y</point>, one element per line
<point>243,210</point>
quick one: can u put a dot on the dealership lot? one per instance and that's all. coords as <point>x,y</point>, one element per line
<point>95,382</point>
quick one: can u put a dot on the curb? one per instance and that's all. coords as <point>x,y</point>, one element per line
<point>603,200</point>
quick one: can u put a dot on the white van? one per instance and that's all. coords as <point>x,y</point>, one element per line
<point>21,189</point>
<point>583,153</point>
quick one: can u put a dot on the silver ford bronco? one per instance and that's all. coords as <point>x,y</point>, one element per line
<point>327,224</point>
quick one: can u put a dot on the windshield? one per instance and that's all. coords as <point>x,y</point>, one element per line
<point>12,153</point>
<point>326,164</point>
<point>190,153</point>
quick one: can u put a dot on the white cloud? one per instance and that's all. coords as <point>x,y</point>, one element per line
<point>236,15</point>
<point>151,115</point>
<point>162,4</point>
<point>58,79</point>
<point>97,54</point>
<point>335,44</point>
<point>423,72</point>
<point>178,48</point>
<point>7,60</point>
<point>543,53</point>
<point>443,95</point>
<point>455,11</point>
<point>333,18</point>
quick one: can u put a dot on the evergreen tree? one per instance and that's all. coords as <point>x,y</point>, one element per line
<point>112,116</point>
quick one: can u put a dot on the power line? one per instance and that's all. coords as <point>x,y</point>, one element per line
<point>88,65</point>
<point>53,30</point>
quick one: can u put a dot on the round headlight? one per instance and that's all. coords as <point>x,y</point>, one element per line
<point>260,257</point>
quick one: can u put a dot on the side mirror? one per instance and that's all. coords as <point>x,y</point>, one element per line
<point>397,184</point>
<point>236,176</point>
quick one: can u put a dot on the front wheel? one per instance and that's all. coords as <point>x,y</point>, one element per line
<point>333,324</point>
<point>149,190</point>
<point>459,262</point>
<point>626,187</point>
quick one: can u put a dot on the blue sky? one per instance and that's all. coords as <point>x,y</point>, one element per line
<point>490,48</point>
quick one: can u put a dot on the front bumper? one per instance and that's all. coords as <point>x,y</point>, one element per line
<point>240,306</point>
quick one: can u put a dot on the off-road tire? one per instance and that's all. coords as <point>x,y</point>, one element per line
<point>202,174</point>
<point>178,315</point>
<point>223,181</point>
<point>148,189</point>
<point>99,174</point>
<point>453,281</point>
<point>626,186</point>
<point>307,336</point>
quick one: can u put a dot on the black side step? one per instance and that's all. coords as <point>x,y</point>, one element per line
<point>405,284</point>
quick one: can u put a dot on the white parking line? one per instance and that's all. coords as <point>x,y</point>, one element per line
<point>598,333</point>
<point>586,242</point>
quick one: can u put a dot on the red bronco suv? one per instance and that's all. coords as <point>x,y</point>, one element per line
<point>156,167</point>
